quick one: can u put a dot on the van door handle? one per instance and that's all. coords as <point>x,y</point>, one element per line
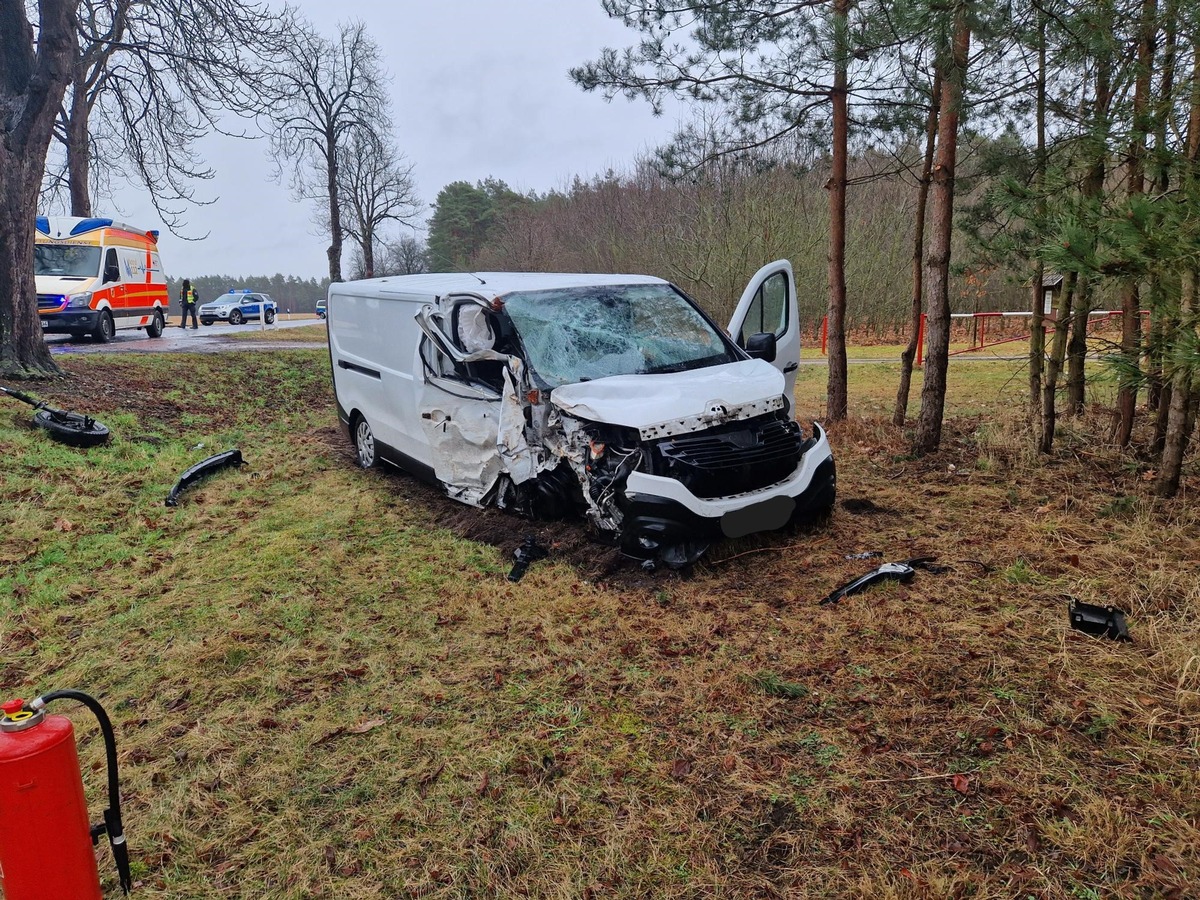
<point>790,368</point>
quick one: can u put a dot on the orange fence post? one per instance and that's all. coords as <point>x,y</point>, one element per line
<point>824,335</point>
<point>921,341</point>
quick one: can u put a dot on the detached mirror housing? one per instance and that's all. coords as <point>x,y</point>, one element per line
<point>761,346</point>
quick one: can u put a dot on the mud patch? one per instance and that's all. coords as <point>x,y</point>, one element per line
<point>568,540</point>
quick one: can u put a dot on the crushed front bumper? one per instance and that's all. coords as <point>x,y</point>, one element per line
<point>70,321</point>
<point>661,511</point>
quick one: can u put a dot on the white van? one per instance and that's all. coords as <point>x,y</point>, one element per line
<point>614,396</point>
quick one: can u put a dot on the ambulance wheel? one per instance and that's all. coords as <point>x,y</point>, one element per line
<point>155,328</point>
<point>235,317</point>
<point>270,317</point>
<point>71,428</point>
<point>364,444</point>
<point>105,331</point>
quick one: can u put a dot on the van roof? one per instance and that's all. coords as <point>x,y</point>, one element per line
<point>495,284</point>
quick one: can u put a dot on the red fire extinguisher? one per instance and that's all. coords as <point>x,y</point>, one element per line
<point>46,838</point>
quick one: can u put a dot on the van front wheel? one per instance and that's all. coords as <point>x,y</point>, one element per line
<point>105,331</point>
<point>364,444</point>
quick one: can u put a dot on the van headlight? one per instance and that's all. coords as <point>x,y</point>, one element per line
<point>78,301</point>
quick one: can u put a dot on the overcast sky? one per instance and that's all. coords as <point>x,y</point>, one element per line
<point>479,88</point>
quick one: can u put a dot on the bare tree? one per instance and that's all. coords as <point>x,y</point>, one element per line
<point>33,80</point>
<point>326,95</point>
<point>376,186</point>
<point>149,80</point>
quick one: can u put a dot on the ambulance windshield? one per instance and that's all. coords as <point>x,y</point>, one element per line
<point>66,260</point>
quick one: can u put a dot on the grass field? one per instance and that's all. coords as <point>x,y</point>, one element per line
<point>324,686</point>
<point>313,332</point>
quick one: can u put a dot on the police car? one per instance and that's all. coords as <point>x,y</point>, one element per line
<point>237,307</point>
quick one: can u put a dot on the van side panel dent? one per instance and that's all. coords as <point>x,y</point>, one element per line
<point>518,458</point>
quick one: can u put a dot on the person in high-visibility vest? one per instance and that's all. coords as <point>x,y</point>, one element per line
<point>188,299</point>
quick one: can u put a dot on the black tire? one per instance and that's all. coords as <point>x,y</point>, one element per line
<point>157,324</point>
<point>364,443</point>
<point>71,428</point>
<point>206,321</point>
<point>270,314</point>
<point>105,330</point>
<point>235,317</point>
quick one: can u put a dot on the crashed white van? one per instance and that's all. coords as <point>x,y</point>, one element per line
<point>613,396</point>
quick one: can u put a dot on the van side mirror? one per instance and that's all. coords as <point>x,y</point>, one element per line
<point>761,346</point>
<point>112,273</point>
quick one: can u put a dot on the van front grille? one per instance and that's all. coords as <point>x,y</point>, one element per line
<point>732,459</point>
<point>49,301</point>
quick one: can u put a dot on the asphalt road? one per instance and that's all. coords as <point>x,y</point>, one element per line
<point>205,339</point>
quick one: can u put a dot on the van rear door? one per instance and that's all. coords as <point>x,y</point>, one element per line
<point>769,306</point>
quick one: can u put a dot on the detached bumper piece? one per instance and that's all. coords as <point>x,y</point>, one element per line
<point>893,571</point>
<point>1101,621</point>
<point>203,469</point>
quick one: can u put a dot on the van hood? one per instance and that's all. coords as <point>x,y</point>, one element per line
<point>57,284</point>
<point>677,402</point>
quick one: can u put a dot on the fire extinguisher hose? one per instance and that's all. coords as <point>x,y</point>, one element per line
<point>112,826</point>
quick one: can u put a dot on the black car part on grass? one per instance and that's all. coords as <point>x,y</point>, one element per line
<point>530,551</point>
<point>894,571</point>
<point>1102,621</point>
<point>203,469</point>
<point>73,429</point>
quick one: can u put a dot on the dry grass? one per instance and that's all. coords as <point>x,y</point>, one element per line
<point>321,691</point>
<point>303,333</point>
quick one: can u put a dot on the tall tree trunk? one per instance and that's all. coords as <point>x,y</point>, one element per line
<point>1077,349</point>
<point>79,148</point>
<point>1162,305</point>
<point>837,399</point>
<point>918,259</point>
<point>1135,169</point>
<point>368,251</point>
<point>937,288</point>
<point>1037,325</point>
<point>31,89</point>
<point>335,213</point>
<point>1054,364</point>
<point>1181,416</point>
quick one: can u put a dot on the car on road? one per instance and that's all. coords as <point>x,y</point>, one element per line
<point>237,307</point>
<point>321,309</point>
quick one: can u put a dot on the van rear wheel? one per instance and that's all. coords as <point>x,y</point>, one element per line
<point>155,328</point>
<point>364,444</point>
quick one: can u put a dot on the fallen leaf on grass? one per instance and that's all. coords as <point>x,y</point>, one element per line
<point>680,768</point>
<point>63,525</point>
<point>360,728</point>
<point>961,783</point>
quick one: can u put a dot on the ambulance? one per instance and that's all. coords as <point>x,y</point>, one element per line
<point>96,276</point>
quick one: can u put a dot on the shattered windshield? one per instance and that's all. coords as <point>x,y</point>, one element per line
<point>65,260</point>
<point>577,334</point>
